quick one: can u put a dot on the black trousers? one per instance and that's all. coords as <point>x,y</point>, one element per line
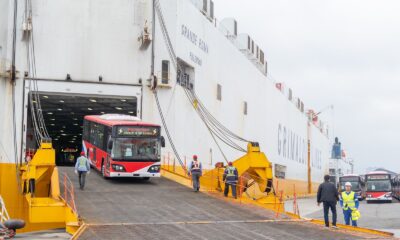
<point>82,176</point>
<point>332,206</point>
<point>233,187</point>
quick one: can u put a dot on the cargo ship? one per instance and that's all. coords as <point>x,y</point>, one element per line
<point>63,60</point>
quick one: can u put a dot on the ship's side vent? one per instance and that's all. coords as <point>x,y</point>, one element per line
<point>262,60</point>
<point>265,67</point>
<point>245,108</point>
<point>290,96</point>
<point>219,92</point>
<point>206,7</point>
<point>253,51</point>
<point>228,27</point>
<point>211,15</point>
<point>165,72</point>
<point>163,77</point>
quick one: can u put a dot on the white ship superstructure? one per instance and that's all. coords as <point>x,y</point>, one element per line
<point>90,52</point>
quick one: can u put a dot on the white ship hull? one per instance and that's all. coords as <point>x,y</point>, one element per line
<point>92,38</point>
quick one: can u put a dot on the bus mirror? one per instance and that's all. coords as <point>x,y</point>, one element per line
<point>162,141</point>
<point>110,144</point>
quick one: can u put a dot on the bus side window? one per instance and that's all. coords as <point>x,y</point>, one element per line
<point>97,135</point>
<point>92,133</point>
<point>86,130</point>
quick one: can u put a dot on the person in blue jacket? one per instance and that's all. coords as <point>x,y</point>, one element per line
<point>349,202</point>
<point>82,167</point>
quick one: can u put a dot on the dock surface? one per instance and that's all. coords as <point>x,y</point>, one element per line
<point>163,209</point>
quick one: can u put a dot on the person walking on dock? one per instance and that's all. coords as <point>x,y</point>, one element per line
<point>230,178</point>
<point>82,167</point>
<point>349,203</point>
<point>195,170</point>
<point>328,195</point>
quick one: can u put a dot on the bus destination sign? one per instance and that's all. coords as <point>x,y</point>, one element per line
<point>377,177</point>
<point>133,131</point>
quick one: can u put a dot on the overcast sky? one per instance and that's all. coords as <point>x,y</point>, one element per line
<point>342,52</point>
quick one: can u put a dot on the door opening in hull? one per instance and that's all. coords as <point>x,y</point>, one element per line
<point>63,116</point>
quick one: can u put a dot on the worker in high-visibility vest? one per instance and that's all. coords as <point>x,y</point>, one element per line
<point>82,167</point>
<point>195,171</point>
<point>349,203</point>
<point>230,178</point>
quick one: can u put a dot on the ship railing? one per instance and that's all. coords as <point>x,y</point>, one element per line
<point>68,193</point>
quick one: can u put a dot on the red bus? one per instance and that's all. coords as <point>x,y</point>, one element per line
<point>396,187</point>
<point>379,186</point>
<point>122,146</point>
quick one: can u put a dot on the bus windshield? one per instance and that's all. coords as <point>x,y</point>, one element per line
<point>354,180</point>
<point>135,149</point>
<point>355,186</point>
<point>379,186</point>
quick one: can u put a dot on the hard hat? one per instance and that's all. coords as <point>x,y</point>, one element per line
<point>82,153</point>
<point>347,184</point>
<point>195,157</point>
<point>230,163</point>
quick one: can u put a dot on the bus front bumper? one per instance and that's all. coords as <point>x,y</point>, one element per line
<point>133,174</point>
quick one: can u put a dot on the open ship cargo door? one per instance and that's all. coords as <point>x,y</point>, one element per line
<point>64,103</point>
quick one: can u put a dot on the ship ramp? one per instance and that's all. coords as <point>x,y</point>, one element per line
<point>163,209</point>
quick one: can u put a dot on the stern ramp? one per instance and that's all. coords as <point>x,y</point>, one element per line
<point>163,209</point>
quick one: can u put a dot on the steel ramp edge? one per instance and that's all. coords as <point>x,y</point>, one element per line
<point>354,229</point>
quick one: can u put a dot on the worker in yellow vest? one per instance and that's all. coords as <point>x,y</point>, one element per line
<point>230,178</point>
<point>349,203</point>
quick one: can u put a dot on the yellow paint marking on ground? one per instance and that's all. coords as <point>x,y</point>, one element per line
<point>355,229</point>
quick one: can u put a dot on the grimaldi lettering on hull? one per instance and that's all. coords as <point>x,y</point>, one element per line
<point>195,40</point>
<point>293,147</point>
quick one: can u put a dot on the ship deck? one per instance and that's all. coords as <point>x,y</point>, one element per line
<point>163,209</point>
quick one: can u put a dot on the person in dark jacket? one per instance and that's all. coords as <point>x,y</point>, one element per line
<point>328,195</point>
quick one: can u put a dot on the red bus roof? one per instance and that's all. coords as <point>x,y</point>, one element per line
<point>118,120</point>
<point>377,173</point>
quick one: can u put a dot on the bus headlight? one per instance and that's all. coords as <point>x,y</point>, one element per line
<point>388,195</point>
<point>154,169</point>
<point>118,168</point>
<point>369,195</point>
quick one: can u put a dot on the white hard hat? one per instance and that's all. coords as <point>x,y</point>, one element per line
<point>347,184</point>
